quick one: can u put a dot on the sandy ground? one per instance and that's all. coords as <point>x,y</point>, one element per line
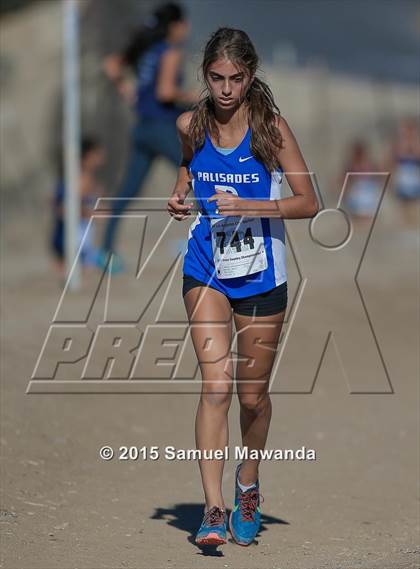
<point>354,507</point>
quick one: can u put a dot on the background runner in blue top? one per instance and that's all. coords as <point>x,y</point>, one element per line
<point>148,104</point>
<point>155,56</point>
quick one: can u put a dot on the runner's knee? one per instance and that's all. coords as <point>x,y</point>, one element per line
<point>254,402</point>
<point>216,394</point>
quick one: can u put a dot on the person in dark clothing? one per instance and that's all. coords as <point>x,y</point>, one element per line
<point>155,55</point>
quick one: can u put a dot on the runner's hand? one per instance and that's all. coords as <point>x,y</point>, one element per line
<point>229,204</point>
<point>128,92</point>
<point>176,207</point>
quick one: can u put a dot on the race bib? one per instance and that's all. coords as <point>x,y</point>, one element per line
<point>238,246</point>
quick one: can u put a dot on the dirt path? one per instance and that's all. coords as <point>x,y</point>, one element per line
<point>354,507</point>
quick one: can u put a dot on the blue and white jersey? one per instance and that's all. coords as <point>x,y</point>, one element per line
<point>240,257</point>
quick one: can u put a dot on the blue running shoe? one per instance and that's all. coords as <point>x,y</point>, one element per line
<point>213,527</point>
<point>245,518</point>
<point>115,264</point>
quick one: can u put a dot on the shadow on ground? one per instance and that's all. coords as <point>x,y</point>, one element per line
<point>188,517</point>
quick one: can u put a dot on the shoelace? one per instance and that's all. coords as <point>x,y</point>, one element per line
<point>248,502</point>
<point>214,517</point>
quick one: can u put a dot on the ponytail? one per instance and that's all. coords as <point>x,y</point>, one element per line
<point>266,139</point>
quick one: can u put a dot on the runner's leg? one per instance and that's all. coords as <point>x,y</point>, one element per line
<point>138,167</point>
<point>257,339</point>
<point>210,316</point>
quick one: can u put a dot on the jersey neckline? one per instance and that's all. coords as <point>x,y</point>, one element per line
<point>235,150</point>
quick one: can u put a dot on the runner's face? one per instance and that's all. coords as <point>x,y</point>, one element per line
<point>227,84</point>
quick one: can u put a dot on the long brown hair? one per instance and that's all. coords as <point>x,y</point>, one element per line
<point>266,139</point>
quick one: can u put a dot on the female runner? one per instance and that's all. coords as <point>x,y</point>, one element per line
<point>155,54</point>
<point>235,150</point>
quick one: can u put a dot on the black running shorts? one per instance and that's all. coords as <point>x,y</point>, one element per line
<point>264,304</point>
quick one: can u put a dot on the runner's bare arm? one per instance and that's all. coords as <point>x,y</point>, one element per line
<point>182,125</point>
<point>117,70</point>
<point>304,202</point>
<point>176,207</point>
